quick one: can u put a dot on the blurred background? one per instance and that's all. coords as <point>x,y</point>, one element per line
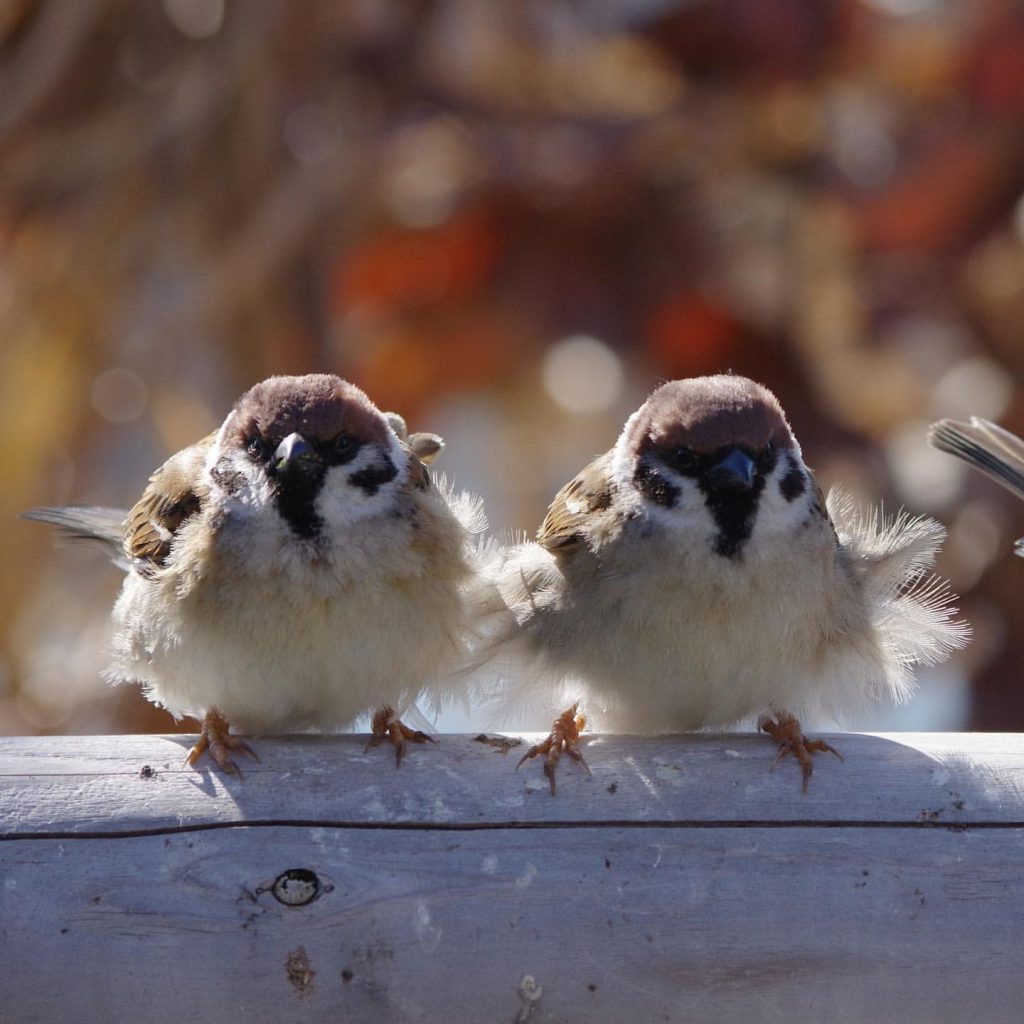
<point>509,222</point>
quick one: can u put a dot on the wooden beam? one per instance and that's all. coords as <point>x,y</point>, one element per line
<point>684,880</point>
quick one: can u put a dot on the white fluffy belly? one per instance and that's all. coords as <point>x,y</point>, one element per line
<point>269,667</point>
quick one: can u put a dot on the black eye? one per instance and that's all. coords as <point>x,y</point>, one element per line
<point>342,449</point>
<point>683,459</point>
<point>256,447</point>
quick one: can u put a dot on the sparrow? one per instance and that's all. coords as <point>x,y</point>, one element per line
<point>985,446</point>
<point>695,576</point>
<point>293,570</point>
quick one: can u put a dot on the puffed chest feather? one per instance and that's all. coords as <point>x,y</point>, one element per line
<point>672,636</point>
<point>307,644</point>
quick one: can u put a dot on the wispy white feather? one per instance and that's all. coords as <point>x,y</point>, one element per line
<point>912,611</point>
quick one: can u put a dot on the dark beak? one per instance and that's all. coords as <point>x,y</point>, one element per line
<point>294,455</point>
<point>735,472</point>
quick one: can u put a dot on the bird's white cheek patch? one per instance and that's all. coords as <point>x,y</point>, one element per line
<point>341,503</point>
<point>777,514</point>
<point>236,479</point>
<point>689,514</point>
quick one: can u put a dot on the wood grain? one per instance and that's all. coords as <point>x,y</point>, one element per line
<point>683,881</point>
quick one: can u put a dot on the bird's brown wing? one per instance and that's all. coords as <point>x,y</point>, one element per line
<point>588,494</point>
<point>172,495</point>
<point>425,446</point>
<point>419,475</point>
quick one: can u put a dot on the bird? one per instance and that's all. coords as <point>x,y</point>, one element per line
<point>982,444</point>
<point>293,570</point>
<point>694,576</point>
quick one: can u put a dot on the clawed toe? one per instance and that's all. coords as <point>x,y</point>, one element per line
<point>387,725</point>
<point>785,729</point>
<point>564,735</point>
<point>215,737</point>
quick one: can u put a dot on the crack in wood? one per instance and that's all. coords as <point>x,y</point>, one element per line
<point>519,826</point>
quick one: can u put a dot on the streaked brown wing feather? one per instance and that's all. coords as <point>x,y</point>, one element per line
<point>419,475</point>
<point>588,493</point>
<point>172,496</point>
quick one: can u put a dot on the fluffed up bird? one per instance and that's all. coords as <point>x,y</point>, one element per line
<point>291,571</point>
<point>694,576</point>
<point>985,446</point>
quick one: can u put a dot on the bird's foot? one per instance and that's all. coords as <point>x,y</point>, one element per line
<point>215,737</point>
<point>564,735</point>
<point>785,729</point>
<point>387,725</point>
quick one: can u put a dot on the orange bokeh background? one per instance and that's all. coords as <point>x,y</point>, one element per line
<point>507,222</point>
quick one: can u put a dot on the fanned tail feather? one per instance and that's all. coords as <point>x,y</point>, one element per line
<point>87,522</point>
<point>912,610</point>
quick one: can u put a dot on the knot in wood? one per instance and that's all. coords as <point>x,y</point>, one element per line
<point>296,887</point>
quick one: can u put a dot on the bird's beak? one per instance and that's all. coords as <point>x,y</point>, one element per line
<point>294,455</point>
<point>735,472</point>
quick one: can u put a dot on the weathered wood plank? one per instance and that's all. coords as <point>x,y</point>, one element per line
<point>69,784</point>
<point>615,924</point>
<point>682,881</point>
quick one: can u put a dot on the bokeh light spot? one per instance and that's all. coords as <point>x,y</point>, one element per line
<point>973,387</point>
<point>197,19</point>
<point>902,8</point>
<point>582,374</point>
<point>312,133</point>
<point>925,477</point>
<point>119,395</point>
